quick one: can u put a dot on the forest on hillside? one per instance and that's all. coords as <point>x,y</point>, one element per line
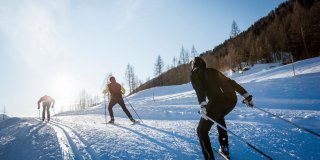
<point>288,33</point>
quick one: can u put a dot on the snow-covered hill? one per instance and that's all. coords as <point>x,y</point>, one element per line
<point>169,116</point>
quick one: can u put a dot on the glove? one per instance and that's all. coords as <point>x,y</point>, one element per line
<point>248,100</point>
<point>203,113</point>
<point>38,107</point>
<point>203,110</point>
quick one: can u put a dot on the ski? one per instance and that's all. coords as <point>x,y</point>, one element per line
<point>223,155</point>
<point>135,122</point>
<point>220,154</point>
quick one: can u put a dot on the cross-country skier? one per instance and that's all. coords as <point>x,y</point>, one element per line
<point>47,102</point>
<point>221,93</point>
<point>116,91</point>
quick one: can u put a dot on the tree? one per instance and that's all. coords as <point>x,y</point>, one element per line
<point>174,62</point>
<point>194,52</point>
<point>184,56</point>
<point>4,112</point>
<point>158,67</point>
<point>131,78</point>
<point>234,29</point>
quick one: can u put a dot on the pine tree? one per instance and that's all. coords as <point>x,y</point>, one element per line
<point>158,66</point>
<point>194,52</point>
<point>234,30</point>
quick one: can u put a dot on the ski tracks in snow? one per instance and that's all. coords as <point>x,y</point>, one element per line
<point>72,145</point>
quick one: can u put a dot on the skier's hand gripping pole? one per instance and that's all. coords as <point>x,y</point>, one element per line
<point>248,100</point>
<point>203,110</point>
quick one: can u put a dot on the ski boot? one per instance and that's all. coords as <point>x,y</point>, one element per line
<point>111,121</point>
<point>224,150</point>
<point>133,121</point>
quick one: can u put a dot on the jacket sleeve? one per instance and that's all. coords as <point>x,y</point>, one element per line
<point>197,85</point>
<point>237,87</point>
<point>53,102</point>
<point>106,90</point>
<point>39,102</point>
<point>123,91</point>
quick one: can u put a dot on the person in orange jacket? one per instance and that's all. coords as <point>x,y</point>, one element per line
<point>116,91</point>
<point>47,102</point>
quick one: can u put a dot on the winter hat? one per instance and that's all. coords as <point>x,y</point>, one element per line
<point>112,79</point>
<point>198,62</point>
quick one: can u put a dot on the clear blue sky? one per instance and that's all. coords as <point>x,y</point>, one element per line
<point>63,46</point>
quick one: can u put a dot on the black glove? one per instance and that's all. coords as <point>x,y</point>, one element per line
<point>248,101</point>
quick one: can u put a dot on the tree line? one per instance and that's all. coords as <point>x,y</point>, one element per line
<point>291,30</point>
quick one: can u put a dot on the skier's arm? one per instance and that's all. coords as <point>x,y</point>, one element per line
<point>237,87</point>
<point>53,102</point>
<point>106,90</point>
<point>123,91</point>
<point>39,102</point>
<point>198,87</point>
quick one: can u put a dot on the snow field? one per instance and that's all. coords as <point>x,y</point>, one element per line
<point>170,119</point>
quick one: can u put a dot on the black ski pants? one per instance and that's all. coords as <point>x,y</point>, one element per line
<point>120,101</point>
<point>46,108</point>
<point>216,110</point>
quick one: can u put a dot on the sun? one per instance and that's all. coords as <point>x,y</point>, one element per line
<point>63,89</point>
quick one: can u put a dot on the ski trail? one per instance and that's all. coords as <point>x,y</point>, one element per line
<point>82,145</point>
<point>68,147</point>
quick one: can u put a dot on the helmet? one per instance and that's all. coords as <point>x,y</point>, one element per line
<point>198,62</point>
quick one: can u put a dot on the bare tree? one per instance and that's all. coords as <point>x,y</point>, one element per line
<point>129,77</point>
<point>182,57</point>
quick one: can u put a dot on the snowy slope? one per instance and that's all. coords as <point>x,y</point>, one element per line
<point>170,117</point>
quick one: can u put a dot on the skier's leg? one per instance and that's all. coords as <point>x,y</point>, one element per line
<point>43,112</point>
<point>203,134</point>
<point>229,105</point>
<point>124,108</point>
<point>223,134</point>
<point>48,113</point>
<point>111,104</point>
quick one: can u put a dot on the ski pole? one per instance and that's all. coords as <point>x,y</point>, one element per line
<point>39,113</point>
<point>105,108</point>
<point>296,125</point>
<point>133,109</point>
<point>54,113</point>
<point>247,143</point>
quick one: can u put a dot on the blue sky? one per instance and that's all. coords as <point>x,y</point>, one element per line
<point>61,47</point>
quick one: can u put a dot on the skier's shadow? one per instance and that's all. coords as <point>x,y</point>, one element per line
<point>168,148</point>
<point>171,134</point>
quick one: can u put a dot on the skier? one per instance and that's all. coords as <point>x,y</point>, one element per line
<point>221,93</point>
<point>116,91</point>
<point>47,102</point>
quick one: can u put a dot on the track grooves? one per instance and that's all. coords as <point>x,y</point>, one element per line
<point>79,145</point>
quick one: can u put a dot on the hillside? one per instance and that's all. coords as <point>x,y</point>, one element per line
<point>293,28</point>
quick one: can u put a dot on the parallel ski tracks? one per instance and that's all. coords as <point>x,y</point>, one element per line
<point>73,146</point>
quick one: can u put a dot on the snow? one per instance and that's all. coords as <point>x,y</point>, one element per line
<point>169,116</point>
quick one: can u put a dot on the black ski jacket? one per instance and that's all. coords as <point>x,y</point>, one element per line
<point>209,82</point>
